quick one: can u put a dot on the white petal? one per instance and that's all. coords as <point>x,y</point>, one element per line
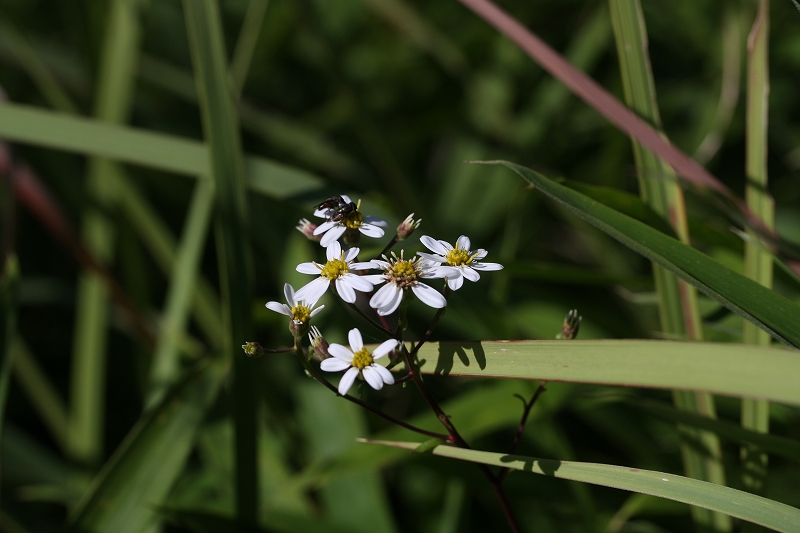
<point>333,251</point>
<point>369,265</point>
<point>387,376</point>
<point>433,245</point>
<point>347,380</point>
<point>322,228</point>
<point>447,246</point>
<point>429,296</point>
<point>345,291</point>
<point>357,282</point>
<point>375,221</point>
<point>478,254</point>
<point>433,258</point>
<point>383,296</point>
<point>375,279</point>
<point>351,254</point>
<point>379,263</point>
<point>340,351</point>
<point>355,340</point>
<point>313,291</point>
<point>334,365</point>
<point>317,310</point>
<point>288,292</point>
<point>307,268</point>
<point>279,308</point>
<point>447,272</point>
<point>321,213</point>
<point>346,198</point>
<point>371,231</point>
<point>455,282</point>
<point>332,235</point>
<point>373,377</point>
<point>384,348</point>
<point>487,266</point>
<point>390,306</point>
<point>463,242</point>
<point>470,273</point>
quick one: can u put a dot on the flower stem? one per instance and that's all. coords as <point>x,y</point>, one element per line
<point>389,246</point>
<point>434,323</point>
<point>385,330</point>
<point>518,437</point>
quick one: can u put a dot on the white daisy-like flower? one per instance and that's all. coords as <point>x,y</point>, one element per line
<point>401,274</point>
<point>457,262</point>
<point>337,269</point>
<point>358,360</point>
<point>299,309</point>
<point>347,218</point>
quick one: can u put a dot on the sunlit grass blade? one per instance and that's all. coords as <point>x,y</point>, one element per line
<point>225,160</point>
<point>757,261</point>
<point>125,495</point>
<point>40,127</point>
<point>767,309</point>
<point>729,369</point>
<point>658,187</point>
<point>165,366</point>
<point>749,507</point>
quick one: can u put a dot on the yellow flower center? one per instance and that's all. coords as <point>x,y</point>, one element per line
<point>301,313</point>
<point>362,359</point>
<point>353,220</point>
<point>334,269</point>
<point>458,256</point>
<point>402,273</point>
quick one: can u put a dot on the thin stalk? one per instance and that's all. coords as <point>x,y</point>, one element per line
<point>678,309</point>
<point>758,264</point>
<point>437,317</point>
<point>383,329</point>
<point>526,411</point>
<point>246,44</point>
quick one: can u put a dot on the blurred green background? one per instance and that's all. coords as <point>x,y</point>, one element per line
<point>383,100</point>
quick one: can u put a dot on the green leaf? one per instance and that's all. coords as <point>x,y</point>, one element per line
<point>770,311</point>
<point>750,507</point>
<point>729,369</point>
<point>139,475</point>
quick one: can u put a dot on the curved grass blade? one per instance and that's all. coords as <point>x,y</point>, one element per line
<point>749,507</point>
<point>721,368</point>
<point>138,477</point>
<point>768,310</point>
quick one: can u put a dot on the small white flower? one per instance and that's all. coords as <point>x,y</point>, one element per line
<point>306,227</point>
<point>407,227</point>
<point>331,230</point>
<point>457,262</point>
<point>299,309</point>
<point>357,359</point>
<point>337,269</point>
<point>401,274</point>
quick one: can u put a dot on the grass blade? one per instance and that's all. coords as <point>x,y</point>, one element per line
<point>246,44</point>
<point>221,130</point>
<point>752,508</point>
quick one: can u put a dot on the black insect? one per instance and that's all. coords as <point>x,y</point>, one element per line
<point>331,204</point>
<point>342,211</point>
<point>336,208</point>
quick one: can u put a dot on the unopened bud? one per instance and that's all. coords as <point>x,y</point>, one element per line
<point>319,345</point>
<point>572,323</point>
<point>407,227</point>
<point>306,227</point>
<point>253,349</point>
<point>298,328</point>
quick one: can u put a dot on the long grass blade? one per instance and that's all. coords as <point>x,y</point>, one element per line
<point>246,44</point>
<point>221,130</point>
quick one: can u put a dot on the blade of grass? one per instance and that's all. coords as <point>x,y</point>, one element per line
<point>116,77</point>
<point>757,261</point>
<point>246,44</point>
<point>41,393</point>
<point>165,366</point>
<point>677,300</point>
<point>756,509</point>
<point>767,309</point>
<point>221,130</point>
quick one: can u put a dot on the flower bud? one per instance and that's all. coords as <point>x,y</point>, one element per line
<point>298,328</point>
<point>253,349</point>
<point>572,323</point>
<point>319,345</point>
<point>407,227</point>
<point>307,228</point>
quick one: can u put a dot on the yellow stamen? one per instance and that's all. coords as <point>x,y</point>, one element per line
<point>362,359</point>
<point>301,313</point>
<point>458,256</point>
<point>334,269</point>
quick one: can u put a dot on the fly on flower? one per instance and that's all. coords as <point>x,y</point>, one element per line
<point>400,275</point>
<point>345,218</point>
<point>299,309</point>
<point>336,269</point>
<point>456,262</point>
<point>358,360</point>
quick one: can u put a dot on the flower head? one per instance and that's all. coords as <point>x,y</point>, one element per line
<point>400,275</point>
<point>457,262</point>
<point>300,308</point>
<point>318,343</point>
<point>347,218</point>
<point>337,269</point>
<point>407,227</point>
<point>307,228</point>
<point>358,360</point>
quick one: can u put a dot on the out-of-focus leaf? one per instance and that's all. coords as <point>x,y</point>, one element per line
<point>750,507</point>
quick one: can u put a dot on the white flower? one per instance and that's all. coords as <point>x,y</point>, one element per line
<point>401,274</point>
<point>306,227</point>
<point>457,262</point>
<point>299,309</point>
<point>407,227</point>
<point>336,269</point>
<point>357,359</point>
<point>331,230</point>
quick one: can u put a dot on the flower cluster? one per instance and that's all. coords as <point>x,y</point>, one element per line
<point>401,279</point>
